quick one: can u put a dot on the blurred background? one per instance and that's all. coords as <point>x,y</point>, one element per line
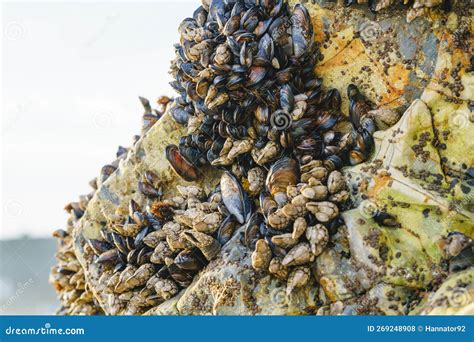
<point>71,74</point>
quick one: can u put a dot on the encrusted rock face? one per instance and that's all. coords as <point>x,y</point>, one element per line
<point>406,245</point>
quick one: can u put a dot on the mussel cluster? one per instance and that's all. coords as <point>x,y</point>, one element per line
<point>67,276</point>
<point>253,106</point>
<point>237,70</point>
<point>148,255</point>
<point>244,72</point>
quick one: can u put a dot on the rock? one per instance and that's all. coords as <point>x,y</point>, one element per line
<point>420,174</point>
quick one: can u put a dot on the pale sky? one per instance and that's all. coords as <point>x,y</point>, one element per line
<point>71,76</point>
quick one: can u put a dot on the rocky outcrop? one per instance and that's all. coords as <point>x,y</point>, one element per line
<point>392,256</point>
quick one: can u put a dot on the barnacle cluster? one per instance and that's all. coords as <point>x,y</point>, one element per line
<point>156,251</point>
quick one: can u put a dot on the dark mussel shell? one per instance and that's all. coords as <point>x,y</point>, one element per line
<point>463,260</point>
<point>385,219</point>
<point>226,229</point>
<point>283,172</point>
<point>190,259</point>
<point>302,31</point>
<point>252,230</point>
<point>235,198</point>
<point>358,106</point>
<point>182,277</point>
<point>180,165</point>
<point>99,246</point>
<point>149,190</point>
<point>112,256</point>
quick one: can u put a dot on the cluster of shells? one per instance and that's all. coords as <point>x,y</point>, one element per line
<point>155,252</point>
<point>67,276</point>
<point>253,107</point>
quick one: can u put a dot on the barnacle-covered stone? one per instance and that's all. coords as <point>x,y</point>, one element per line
<point>365,251</point>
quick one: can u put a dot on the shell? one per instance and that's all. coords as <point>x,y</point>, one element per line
<point>283,173</point>
<point>298,255</point>
<point>235,198</point>
<point>182,167</point>
<point>209,246</point>
<point>261,256</point>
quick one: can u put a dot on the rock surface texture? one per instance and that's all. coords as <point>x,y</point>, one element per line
<point>411,203</point>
